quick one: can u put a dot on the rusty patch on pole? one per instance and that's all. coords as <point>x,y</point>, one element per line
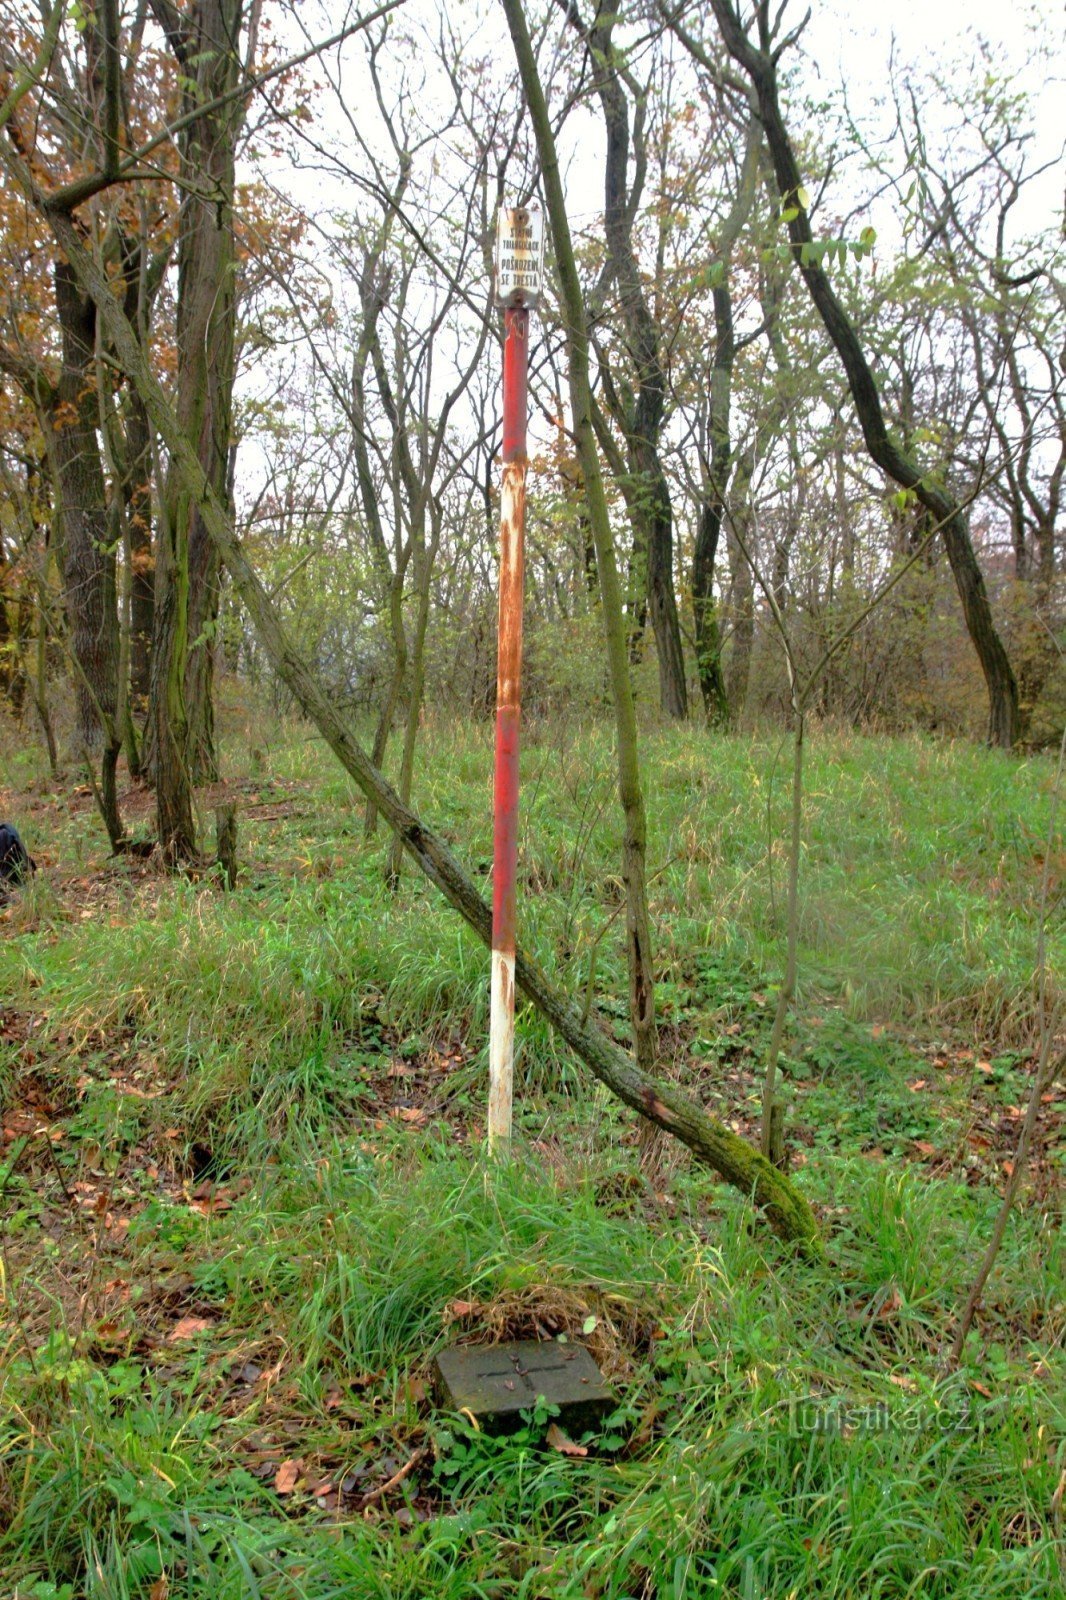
<point>512,531</point>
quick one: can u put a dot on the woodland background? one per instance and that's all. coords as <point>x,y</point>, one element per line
<point>787,1151</point>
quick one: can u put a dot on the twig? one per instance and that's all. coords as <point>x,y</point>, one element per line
<point>397,1478</point>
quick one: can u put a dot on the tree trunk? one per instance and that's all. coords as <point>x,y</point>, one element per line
<point>717,464</point>
<point>39,682</point>
<point>708,532</point>
<point>208,56</point>
<point>708,633</point>
<point>761,67</point>
<point>648,501</point>
<point>662,601</point>
<point>89,555</point>
<point>743,590</point>
<point>138,490</point>
<point>424,563</point>
<point>175,826</point>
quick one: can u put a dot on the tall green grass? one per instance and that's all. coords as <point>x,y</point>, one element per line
<point>709,1480</point>
<point>176,1031</point>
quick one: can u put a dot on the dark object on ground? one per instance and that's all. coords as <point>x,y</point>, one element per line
<point>226,843</point>
<point>16,863</point>
<point>496,1383</point>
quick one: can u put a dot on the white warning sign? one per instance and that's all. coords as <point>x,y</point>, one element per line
<point>519,256</point>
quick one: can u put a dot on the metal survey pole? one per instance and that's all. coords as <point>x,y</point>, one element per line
<point>519,263</point>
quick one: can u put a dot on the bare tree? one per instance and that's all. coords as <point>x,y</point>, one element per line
<point>759,61</point>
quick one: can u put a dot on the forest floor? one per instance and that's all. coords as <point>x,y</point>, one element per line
<point>244,1198</point>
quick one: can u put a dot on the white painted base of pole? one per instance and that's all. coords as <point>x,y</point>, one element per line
<point>501,1052</point>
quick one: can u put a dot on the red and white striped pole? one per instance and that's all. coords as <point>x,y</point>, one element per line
<point>508,713</point>
<point>518,269</point>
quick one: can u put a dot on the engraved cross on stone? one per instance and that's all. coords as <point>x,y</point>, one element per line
<point>495,1385</point>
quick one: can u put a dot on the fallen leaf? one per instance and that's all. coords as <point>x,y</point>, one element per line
<point>464,1308</point>
<point>287,1476</point>
<point>160,1588</point>
<point>924,1148</point>
<point>188,1327</point>
<point>891,1304</point>
<point>413,1114</point>
<point>919,1083</point>
<point>563,1443</point>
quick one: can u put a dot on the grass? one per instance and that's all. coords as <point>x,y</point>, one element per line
<point>244,1198</point>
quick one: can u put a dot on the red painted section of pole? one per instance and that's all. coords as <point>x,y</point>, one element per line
<point>508,710</point>
<point>509,657</point>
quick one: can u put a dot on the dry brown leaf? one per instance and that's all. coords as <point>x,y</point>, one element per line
<point>187,1327</point>
<point>889,1306</point>
<point>464,1308</point>
<point>287,1476</point>
<point>160,1588</point>
<point>563,1443</point>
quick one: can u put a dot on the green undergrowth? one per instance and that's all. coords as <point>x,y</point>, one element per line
<point>781,1428</point>
<point>244,1197</point>
<point>920,879</point>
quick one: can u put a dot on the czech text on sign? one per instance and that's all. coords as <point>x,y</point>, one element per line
<point>519,256</point>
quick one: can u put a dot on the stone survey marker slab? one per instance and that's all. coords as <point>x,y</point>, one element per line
<point>498,1382</point>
